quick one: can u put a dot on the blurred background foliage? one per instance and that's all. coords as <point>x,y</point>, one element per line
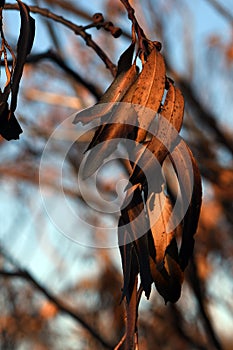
<point>57,294</point>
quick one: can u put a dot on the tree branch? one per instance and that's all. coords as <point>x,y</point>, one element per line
<point>133,19</point>
<point>68,6</point>
<point>177,320</point>
<point>224,12</point>
<point>78,30</point>
<point>63,307</point>
<point>204,115</point>
<point>195,283</point>
<point>201,112</point>
<point>53,56</point>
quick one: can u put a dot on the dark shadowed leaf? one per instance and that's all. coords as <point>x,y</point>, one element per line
<point>10,128</point>
<point>165,268</point>
<point>126,75</point>
<point>108,136</point>
<point>129,261</point>
<point>24,45</point>
<point>169,122</point>
<point>132,215</point>
<point>191,217</point>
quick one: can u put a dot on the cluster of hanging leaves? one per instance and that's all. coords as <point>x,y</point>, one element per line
<point>127,111</point>
<point>14,64</point>
<point>154,254</point>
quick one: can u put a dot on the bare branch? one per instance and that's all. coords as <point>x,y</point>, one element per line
<point>78,30</point>
<point>55,57</point>
<point>70,7</point>
<point>63,307</point>
<point>133,19</point>
<point>195,283</point>
<point>224,12</point>
<point>205,116</point>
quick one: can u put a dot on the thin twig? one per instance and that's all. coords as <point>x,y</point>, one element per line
<point>121,344</point>
<point>69,7</point>
<point>144,44</point>
<point>78,30</point>
<point>132,18</point>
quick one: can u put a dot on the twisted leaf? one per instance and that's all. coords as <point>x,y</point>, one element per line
<point>147,90</point>
<point>191,216</point>
<point>126,75</point>
<point>164,264</point>
<point>136,232</point>
<point>24,46</point>
<point>170,119</point>
<point>9,126</point>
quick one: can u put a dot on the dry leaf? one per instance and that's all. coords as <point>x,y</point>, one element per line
<point>126,75</point>
<point>9,127</point>
<point>150,113</point>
